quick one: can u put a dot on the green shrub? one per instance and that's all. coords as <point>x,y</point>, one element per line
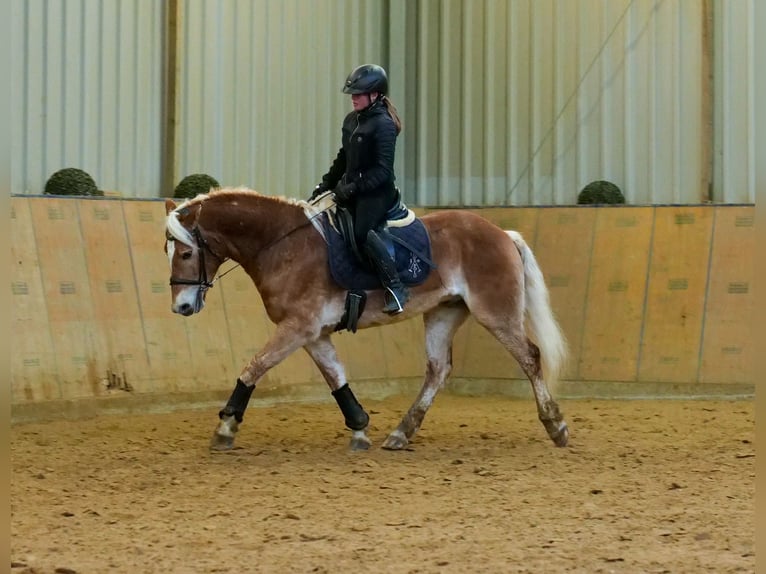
<point>71,181</point>
<point>193,185</point>
<point>600,192</point>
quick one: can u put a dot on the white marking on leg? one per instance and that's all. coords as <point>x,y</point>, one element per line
<point>322,351</point>
<point>542,395</point>
<point>427,399</point>
<point>227,427</point>
<point>359,435</point>
<point>398,433</point>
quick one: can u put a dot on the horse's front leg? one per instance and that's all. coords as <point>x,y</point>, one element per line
<point>286,339</point>
<point>323,353</point>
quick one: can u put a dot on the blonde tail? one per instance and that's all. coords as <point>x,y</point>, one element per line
<point>544,329</point>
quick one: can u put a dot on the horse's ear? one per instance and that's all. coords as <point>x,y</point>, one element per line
<point>189,214</point>
<point>170,205</point>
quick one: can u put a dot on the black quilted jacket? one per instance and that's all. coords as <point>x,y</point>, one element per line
<point>366,156</point>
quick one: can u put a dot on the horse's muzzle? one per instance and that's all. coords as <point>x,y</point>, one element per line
<point>184,309</point>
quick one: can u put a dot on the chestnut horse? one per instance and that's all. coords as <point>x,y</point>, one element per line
<point>481,270</point>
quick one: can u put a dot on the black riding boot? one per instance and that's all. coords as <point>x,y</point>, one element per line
<point>396,293</point>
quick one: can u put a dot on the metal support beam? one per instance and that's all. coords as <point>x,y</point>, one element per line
<point>170,101</point>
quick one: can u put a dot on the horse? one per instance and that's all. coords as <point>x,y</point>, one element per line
<point>480,270</point>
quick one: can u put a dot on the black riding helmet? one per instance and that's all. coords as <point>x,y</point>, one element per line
<point>366,79</point>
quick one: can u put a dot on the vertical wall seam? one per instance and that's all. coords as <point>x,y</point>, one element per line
<point>647,283</point>
<point>137,289</point>
<point>706,297</point>
<point>94,321</point>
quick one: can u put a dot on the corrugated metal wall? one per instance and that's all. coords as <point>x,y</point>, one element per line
<point>87,90</point>
<point>525,102</point>
<point>736,24</point>
<point>503,101</point>
<point>260,101</point>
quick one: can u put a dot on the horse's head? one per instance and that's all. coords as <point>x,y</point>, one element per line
<point>192,263</point>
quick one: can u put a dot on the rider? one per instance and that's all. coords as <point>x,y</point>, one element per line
<point>362,175</point>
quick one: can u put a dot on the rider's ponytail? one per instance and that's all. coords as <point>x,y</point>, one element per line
<point>393,113</point>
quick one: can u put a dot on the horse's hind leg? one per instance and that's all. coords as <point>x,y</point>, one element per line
<point>441,324</point>
<point>323,353</point>
<point>528,356</point>
<point>547,409</point>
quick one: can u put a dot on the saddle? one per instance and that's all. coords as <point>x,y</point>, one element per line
<point>406,239</point>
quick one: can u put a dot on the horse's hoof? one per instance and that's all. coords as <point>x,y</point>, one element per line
<point>395,441</point>
<point>561,437</point>
<point>359,441</point>
<point>221,443</point>
<point>359,444</point>
<point>223,437</point>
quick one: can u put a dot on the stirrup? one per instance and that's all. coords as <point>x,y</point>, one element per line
<point>394,304</point>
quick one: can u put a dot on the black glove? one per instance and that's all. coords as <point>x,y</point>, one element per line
<point>318,190</point>
<point>344,192</point>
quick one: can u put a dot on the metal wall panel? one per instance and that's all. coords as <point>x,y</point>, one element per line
<point>525,102</point>
<point>86,93</point>
<point>504,102</point>
<point>735,71</point>
<point>260,101</point>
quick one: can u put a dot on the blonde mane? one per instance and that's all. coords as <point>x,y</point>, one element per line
<point>179,232</point>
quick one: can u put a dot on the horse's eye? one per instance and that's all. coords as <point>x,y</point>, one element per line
<point>187,255</point>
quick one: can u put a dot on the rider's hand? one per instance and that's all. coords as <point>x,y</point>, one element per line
<point>318,190</point>
<point>344,192</point>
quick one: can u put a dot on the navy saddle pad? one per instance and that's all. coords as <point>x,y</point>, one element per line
<point>349,273</point>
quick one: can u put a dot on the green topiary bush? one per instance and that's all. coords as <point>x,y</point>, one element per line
<point>600,192</point>
<point>71,181</point>
<point>193,185</point>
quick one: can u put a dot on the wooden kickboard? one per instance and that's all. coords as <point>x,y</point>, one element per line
<point>362,353</point>
<point>675,298</point>
<point>87,308</point>
<point>34,372</point>
<point>563,251</point>
<point>483,356</point>
<point>117,317</point>
<point>68,297</point>
<point>249,327</point>
<point>167,340</point>
<point>404,348</point>
<point>728,347</point>
<point>616,291</point>
<point>521,219</point>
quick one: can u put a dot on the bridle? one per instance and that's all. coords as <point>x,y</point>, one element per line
<point>202,283</point>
